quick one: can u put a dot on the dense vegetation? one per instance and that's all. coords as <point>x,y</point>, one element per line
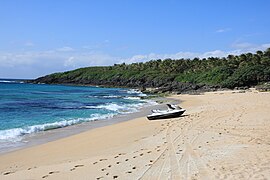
<point>233,71</point>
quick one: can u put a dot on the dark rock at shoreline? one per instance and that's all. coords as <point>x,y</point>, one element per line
<point>264,87</point>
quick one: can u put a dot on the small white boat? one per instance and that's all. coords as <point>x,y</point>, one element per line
<point>172,112</point>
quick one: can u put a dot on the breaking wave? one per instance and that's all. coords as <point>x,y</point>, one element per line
<point>136,91</point>
<point>10,81</point>
<point>15,133</point>
<point>125,108</point>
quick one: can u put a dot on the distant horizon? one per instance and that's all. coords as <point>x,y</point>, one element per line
<point>40,38</point>
<point>15,79</point>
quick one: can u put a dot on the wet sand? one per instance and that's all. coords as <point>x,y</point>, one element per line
<point>223,135</point>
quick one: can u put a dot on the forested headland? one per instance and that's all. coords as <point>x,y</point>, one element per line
<point>177,75</point>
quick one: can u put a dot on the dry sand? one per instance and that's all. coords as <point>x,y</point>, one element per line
<point>224,135</point>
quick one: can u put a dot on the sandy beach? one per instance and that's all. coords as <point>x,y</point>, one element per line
<point>223,135</point>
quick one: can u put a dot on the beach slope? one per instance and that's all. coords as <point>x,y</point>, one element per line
<point>222,135</point>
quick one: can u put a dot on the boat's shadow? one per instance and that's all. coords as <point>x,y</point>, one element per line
<point>169,118</point>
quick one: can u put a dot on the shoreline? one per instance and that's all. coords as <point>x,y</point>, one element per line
<point>223,134</point>
<point>43,137</point>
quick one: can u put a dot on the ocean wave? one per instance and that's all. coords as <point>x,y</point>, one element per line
<point>151,102</point>
<point>136,91</point>
<point>11,81</point>
<point>6,81</point>
<point>105,97</point>
<point>132,98</point>
<point>15,134</point>
<point>125,108</point>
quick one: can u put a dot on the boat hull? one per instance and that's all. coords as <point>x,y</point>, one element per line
<point>166,116</point>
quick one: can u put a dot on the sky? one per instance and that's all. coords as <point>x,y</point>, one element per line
<point>43,37</point>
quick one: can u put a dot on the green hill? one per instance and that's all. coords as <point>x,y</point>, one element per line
<point>174,75</point>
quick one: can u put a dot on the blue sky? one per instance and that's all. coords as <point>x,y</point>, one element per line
<point>41,37</point>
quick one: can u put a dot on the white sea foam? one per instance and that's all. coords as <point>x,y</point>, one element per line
<point>136,91</point>
<point>133,91</point>
<point>15,134</point>
<point>111,107</point>
<point>105,97</point>
<point>112,96</point>
<point>150,102</point>
<point>115,107</point>
<point>6,81</point>
<point>132,98</point>
<point>11,81</point>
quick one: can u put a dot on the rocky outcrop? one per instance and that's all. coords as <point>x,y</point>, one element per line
<point>264,87</point>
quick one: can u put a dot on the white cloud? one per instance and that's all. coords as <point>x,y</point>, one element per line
<point>244,47</point>
<point>97,46</point>
<point>223,30</point>
<point>238,49</point>
<point>65,49</point>
<point>32,64</point>
<point>88,47</point>
<point>29,44</point>
<point>265,46</point>
<point>69,61</point>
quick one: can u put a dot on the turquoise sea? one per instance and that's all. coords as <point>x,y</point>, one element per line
<point>30,108</point>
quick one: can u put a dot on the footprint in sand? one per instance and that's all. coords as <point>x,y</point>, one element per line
<point>102,159</point>
<point>118,162</point>
<point>103,169</point>
<point>72,169</point>
<point>45,176</point>
<point>100,177</point>
<point>52,172</point>
<point>76,166</point>
<point>115,177</point>
<point>126,160</point>
<point>7,173</point>
<point>129,172</point>
<point>95,163</point>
